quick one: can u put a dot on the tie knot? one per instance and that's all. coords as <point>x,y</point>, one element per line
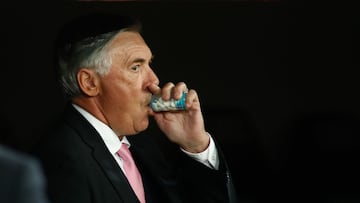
<point>124,152</point>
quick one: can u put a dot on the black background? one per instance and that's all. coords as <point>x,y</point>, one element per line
<point>277,81</point>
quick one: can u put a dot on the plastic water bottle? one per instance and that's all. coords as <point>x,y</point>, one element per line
<point>158,104</point>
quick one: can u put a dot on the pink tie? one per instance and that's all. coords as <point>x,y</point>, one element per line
<point>132,173</point>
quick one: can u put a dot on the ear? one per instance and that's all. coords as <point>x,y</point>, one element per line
<point>89,82</point>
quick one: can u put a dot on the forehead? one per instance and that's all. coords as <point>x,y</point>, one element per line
<point>128,41</point>
<point>128,48</point>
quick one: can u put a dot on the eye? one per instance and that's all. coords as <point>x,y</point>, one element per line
<point>135,68</point>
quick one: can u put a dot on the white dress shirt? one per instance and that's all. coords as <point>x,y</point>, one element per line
<point>209,157</point>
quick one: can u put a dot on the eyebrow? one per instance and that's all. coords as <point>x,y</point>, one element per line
<point>138,60</point>
<point>142,60</point>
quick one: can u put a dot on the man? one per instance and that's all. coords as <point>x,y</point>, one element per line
<point>104,69</point>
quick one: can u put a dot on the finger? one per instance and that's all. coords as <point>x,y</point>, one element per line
<point>166,90</point>
<point>178,90</point>
<point>154,89</point>
<point>191,98</point>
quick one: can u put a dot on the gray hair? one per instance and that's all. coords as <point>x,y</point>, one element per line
<point>92,53</point>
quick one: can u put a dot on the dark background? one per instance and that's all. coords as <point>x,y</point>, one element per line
<point>277,82</point>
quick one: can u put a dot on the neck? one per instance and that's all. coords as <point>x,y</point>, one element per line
<point>91,105</point>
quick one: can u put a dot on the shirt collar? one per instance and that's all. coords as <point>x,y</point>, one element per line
<point>111,140</point>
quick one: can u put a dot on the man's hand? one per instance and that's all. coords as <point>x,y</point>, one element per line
<point>185,127</point>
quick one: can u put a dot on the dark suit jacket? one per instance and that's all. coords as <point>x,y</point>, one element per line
<point>79,168</point>
<point>21,178</point>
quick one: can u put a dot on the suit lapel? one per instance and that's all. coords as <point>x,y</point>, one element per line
<point>101,155</point>
<point>115,175</point>
<point>151,163</point>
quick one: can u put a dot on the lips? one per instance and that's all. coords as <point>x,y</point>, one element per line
<point>148,100</point>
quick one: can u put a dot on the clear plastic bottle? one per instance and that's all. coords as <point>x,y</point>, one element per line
<point>158,104</point>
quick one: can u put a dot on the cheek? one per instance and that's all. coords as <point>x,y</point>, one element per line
<point>125,87</point>
<point>119,83</point>
<point>129,80</point>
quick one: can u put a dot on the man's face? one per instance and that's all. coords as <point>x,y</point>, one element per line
<point>124,95</point>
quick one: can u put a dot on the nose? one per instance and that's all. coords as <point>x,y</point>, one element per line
<point>153,79</point>
<point>150,79</point>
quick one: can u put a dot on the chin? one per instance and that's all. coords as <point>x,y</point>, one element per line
<point>146,125</point>
<point>142,126</point>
